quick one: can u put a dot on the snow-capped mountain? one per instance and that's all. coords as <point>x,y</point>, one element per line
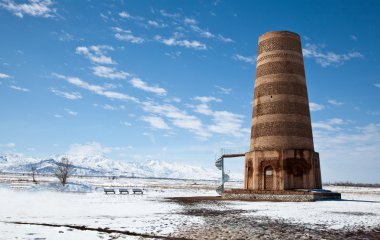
<point>102,166</point>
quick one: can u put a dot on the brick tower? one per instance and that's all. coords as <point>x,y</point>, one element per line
<point>281,154</point>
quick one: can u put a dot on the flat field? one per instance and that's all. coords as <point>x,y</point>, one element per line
<point>82,210</point>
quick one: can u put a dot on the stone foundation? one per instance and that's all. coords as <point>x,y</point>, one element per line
<point>279,196</point>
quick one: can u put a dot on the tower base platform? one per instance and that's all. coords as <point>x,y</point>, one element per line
<point>301,195</point>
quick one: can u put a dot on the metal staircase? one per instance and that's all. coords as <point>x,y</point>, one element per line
<point>219,163</point>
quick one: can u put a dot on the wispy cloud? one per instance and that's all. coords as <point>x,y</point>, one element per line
<point>156,122</point>
<point>126,35</point>
<point>156,24</point>
<point>194,26</point>
<point>326,59</point>
<point>335,102</point>
<point>70,112</point>
<point>96,53</point>
<point>19,88</point>
<point>35,8</point>
<point>316,107</point>
<point>126,15</point>
<point>223,90</point>
<point>3,75</point>
<point>173,55</point>
<point>109,72</point>
<point>57,116</point>
<point>97,89</point>
<point>354,143</point>
<point>177,117</point>
<point>224,122</point>
<point>138,83</point>
<point>8,145</point>
<point>377,85</point>
<point>246,59</point>
<point>173,41</point>
<point>330,125</point>
<point>68,95</point>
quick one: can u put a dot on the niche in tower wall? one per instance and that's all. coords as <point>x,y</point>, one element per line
<point>249,173</point>
<point>296,169</point>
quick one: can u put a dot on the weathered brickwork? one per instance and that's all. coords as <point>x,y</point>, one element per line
<point>281,129</point>
<point>281,107</point>
<point>275,88</point>
<point>280,67</point>
<point>279,43</point>
<point>281,152</point>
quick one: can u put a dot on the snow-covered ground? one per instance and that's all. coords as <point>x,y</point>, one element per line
<point>83,203</point>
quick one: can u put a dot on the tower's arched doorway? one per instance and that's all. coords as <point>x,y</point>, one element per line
<point>268,178</point>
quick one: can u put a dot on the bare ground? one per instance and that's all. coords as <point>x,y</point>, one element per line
<point>238,224</point>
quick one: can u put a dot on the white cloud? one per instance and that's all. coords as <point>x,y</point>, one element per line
<point>326,59</point>
<point>57,116</point>
<point>100,90</point>
<point>224,122</point>
<point>19,88</point>
<point>353,148</point>
<point>316,107</point>
<point>223,90</point>
<point>35,8</point>
<point>3,75</point>
<point>329,125</point>
<point>169,15</point>
<point>377,85</point>
<point>190,21</point>
<point>109,72</point>
<point>96,53</point>
<point>156,122</point>
<point>183,43</point>
<point>8,145</point>
<point>334,102</point>
<point>206,99</point>
<point>82,151</point>
<point>68,95</point>
<point>126,15</point>
<point>126,35</point>
<point>246,59</point>
<point>70,112</point>
<point>138,83</point>
<point>156,24</point>
<point>177,117</point>
<point>127,124</point>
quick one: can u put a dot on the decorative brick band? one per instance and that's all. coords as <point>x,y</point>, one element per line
<point>280,67</point>
<point>297,129</point>
<point>281,142</point>
<point>281,77</point>
<point>281,107</point>
<point>279,43</point>
<point>280,56</point>
<point>281,88</point>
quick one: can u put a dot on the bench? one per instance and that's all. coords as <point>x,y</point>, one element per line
<point>109,190</point>
<point>123,190</point>
<point>137,190</point>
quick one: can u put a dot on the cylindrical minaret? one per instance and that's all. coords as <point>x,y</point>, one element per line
<point>281,154</point>
<point>281,116</point>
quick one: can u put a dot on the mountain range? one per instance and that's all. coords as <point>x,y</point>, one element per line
<point>99,165</point>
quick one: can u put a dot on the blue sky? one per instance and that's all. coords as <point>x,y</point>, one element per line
<point>173,80</point>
